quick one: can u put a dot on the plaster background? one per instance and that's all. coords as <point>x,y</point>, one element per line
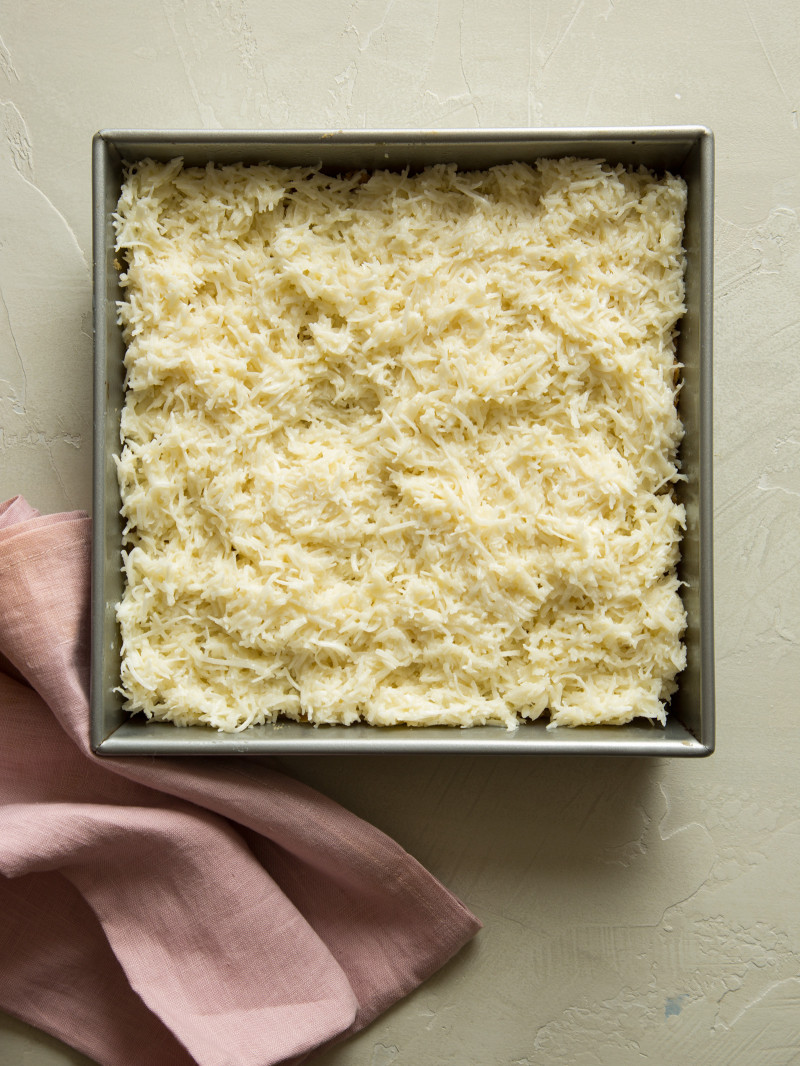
<point>633,911</point>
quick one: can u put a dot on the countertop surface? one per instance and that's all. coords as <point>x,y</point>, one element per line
<point>634,910</point>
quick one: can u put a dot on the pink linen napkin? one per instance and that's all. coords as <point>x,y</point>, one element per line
<point>176,911</point>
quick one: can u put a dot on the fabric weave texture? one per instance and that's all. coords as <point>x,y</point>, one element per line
<point>176,911</point>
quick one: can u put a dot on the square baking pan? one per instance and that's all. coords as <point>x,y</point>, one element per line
<point>684,150</point>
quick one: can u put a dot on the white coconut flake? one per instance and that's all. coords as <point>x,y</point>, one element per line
<point>400,448</point>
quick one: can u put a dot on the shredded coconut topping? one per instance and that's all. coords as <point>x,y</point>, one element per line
<point>400,447</point>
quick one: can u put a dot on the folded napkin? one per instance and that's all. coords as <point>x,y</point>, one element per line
<point>176,911</point>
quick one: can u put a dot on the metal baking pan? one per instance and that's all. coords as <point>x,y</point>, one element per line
<point>688,151</point>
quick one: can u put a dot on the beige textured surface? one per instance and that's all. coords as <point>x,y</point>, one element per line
<point>633,912</point>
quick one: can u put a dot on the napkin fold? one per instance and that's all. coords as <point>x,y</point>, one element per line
<point>177,911</point>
